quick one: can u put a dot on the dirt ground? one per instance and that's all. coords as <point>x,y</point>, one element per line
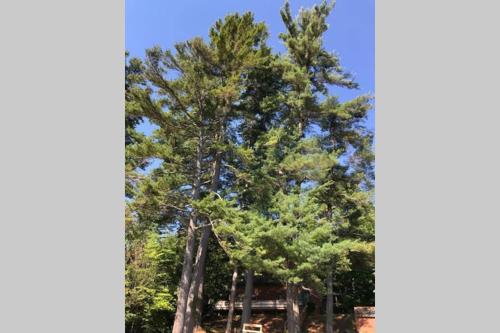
<point>275,323</point>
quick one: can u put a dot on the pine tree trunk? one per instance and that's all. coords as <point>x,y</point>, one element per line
<point>187,265</point>
<point>232,297</point>
<point>290,325</point>
<point>301,127</point>
<point>292,308</point>
<point>329,288</point>
<point>200,256</point>
<point>329,303</point>
<point>247,299</point>
<point>186,277</point>
<point>301,315</point>
<point>189,319</point>
<point>296,309</point>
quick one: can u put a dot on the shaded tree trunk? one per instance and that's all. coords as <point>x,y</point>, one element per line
<point>329,303</point>
<point>232,297</point>
<point>302,315</point>
<point>187,265</point>
<point>292,308</point>
<point>199,301</point>
<point>247,299</point>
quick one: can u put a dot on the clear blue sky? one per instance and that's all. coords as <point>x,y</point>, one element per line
<point>164,23</point>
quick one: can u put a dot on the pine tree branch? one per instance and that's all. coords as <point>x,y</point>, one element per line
<point>166,86</point>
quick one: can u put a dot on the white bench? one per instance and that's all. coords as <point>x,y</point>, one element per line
<point>252,328</point>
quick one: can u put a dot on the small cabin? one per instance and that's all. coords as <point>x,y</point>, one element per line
<point>268,295</point>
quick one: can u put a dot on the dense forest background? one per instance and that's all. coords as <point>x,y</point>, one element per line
<point>262,172</point>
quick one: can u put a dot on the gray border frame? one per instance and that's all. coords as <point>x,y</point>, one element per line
<point>61,139</point>
<point>437,166</point>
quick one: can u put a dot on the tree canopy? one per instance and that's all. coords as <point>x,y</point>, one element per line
<point>258,165</point>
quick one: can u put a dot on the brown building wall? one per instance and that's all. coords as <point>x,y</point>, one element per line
<point>365,325</point>
<point>263,292</point>
<point>365,319</point>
